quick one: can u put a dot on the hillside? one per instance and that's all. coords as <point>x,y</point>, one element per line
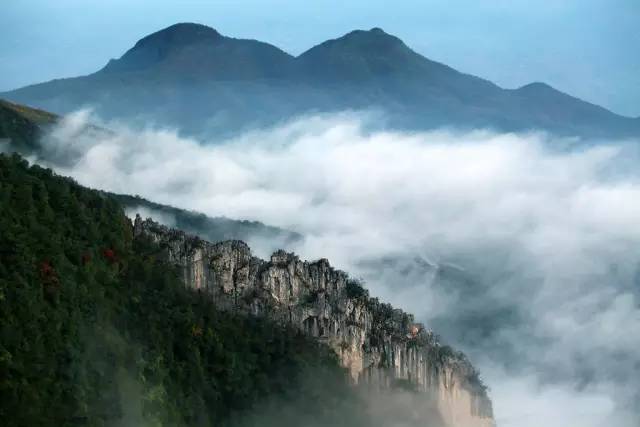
<point>191,77</point>
<point>105,322</point>
<point>96,330</point>
<point>21,127</point>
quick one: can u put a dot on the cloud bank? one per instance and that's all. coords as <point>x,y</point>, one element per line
<point>521,251</point>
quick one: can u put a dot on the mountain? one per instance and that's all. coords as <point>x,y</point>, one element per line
<point>381,347</point>
<point>193,51</point>
<point>361,56</point>
<point>95,329</point>
<point>109,322</point>
<point>191,77</point>
<point>105,322</point>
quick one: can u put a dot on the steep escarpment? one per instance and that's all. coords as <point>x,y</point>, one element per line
<point>382,347</point>
<point>95,330</point>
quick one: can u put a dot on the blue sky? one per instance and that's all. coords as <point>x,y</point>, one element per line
<point>588,48</point>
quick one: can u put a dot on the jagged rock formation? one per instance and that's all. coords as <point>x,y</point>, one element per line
<point>381,347</point>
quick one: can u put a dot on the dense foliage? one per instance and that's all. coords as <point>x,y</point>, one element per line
<point>21,126</point>
<point>95,330</point>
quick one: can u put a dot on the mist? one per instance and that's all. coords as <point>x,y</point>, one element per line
<point>523,250</point>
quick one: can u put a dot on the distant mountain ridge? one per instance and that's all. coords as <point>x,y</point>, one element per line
<point>191,77</point>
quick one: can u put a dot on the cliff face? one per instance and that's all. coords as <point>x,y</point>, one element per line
<point>383,348</point>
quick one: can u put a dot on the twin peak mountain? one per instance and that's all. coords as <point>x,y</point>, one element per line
<point>197,51</point>
<point>192,78</point>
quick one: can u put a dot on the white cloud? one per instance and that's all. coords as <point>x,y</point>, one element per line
<point>551,233</point>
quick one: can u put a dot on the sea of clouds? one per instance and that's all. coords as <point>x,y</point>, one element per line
<point>521,249</point>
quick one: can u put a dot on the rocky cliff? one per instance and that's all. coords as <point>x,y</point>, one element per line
<point>383,348</point>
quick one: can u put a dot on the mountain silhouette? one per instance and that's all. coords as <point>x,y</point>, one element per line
<point>191,77</point>
<point>197,51</point>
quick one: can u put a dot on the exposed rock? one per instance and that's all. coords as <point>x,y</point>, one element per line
<point>381,347</point>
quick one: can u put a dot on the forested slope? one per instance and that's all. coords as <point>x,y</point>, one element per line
<point>96,330</point>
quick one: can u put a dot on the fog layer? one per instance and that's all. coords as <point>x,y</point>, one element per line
<point>523,250</point>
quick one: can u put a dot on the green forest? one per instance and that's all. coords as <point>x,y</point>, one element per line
<point>96,331</point>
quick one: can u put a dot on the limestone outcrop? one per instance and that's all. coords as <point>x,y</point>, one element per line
<point>383,348</point>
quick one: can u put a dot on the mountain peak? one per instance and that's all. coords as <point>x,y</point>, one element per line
<point>537,86</point>
<point>181,34</point>
<point>359,55</point>
<point>540,90</point>
<point>157,47</point>
<point>368,39</point>
<point>193,51</point>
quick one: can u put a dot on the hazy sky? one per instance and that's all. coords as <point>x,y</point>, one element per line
<point>589,48</point>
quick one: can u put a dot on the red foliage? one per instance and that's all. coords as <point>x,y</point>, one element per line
<point>110,255</point>
<point>49,278</point>
<point>46,270</point>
